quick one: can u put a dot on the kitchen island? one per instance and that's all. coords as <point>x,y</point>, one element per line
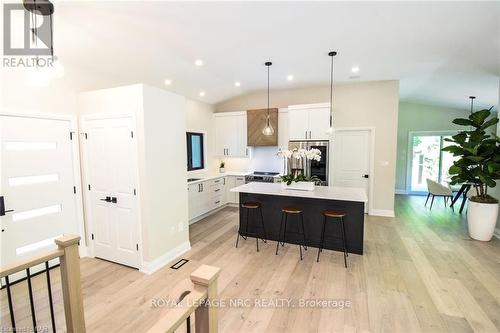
<point>273,197</point>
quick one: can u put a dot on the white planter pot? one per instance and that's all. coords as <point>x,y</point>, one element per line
<point>222,170</point>
<point>481,218</point>
<point>301,186</point>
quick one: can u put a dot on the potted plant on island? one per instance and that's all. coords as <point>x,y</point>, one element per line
<point>296,179</point>
<point>222,168</point>
<point>478,165</point>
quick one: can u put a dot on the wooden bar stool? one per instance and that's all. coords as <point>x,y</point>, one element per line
<point>338,214</point>
<point>252,206</point>
<point>284,218</point>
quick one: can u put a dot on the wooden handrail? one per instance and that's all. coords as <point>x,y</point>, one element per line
<point>201,286</point>
<point>21,265</point>
<point>67,252</point>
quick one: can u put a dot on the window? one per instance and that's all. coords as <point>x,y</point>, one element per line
<point>428,161</point>
<point>195,158</point>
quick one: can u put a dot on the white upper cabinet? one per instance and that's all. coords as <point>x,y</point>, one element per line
<point>231,134</point>
<point>309,122</point>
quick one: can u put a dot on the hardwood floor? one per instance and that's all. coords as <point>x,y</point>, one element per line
<point>420,273</point>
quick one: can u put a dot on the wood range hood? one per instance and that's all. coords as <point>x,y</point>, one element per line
<point>256,120</point>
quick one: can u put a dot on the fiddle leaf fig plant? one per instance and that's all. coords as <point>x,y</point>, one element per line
<point>479,155</point>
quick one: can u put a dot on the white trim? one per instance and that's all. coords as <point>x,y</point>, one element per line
<point>398,191</point>
<point>149,267</point>
<point>381,212</point>
<point>497,233</point>
<point>202,216</point>
<point>308,106</point>
<point>371,178</point>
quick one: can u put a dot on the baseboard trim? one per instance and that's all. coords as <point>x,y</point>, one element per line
<point>381,212</point>
<point>497,233</point>
<point>149,267</point>
<point>83,251</point>
<point>400,191</point>
<point>201,217</point>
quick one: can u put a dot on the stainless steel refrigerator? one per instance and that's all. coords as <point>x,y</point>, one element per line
<point>314,168</point>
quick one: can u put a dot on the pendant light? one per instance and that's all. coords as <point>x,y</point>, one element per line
<point>268,130</point>
<point>332,54</point>
<point>472,103</point>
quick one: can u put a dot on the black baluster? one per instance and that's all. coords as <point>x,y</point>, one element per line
<point>188,324</point>
<point>49,289</point>
<point>32,304</point>
<point>11,307</point>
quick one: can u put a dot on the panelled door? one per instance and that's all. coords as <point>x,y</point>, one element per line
<point>37,186</point>
<point>351,159</point>
<point>111,166</point>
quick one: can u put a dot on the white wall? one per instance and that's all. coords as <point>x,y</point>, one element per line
<point>161,136</point>
<point>420,117</point>
<point>164,204</point>
<point>369,104</point>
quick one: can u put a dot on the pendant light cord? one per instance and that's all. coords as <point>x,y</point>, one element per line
<point>331,54</point>
<point>268,114</point>
<point>331,94</point>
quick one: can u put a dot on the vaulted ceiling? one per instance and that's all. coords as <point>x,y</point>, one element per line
<point>441,52</point>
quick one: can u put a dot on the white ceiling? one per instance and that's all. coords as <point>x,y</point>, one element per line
<point>442,52</point>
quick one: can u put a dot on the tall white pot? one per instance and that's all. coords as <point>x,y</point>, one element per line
<point>482,218</point>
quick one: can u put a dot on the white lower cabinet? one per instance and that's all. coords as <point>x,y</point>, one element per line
<point>211,194</point>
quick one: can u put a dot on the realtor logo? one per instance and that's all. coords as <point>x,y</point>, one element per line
<point>27,34</point>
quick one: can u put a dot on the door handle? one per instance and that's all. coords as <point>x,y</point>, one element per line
<point>366,176</point>
<point>114,200</point>
<point>107,199</point>
<point>2,207</point>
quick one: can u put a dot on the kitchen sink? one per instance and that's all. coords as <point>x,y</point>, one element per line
<point>193,179</point>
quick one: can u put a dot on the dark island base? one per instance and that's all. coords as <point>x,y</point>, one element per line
<point>313,221</point>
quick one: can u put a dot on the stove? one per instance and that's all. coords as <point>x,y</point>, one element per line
<point>262,177</point>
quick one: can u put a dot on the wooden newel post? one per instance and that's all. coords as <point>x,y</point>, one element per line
<point>206,320</point>
<point>71,284</point>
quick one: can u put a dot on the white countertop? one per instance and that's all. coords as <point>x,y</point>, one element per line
<point>205,177</point>
<point>320,192</point>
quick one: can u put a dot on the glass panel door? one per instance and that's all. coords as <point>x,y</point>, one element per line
<point>428,161</point>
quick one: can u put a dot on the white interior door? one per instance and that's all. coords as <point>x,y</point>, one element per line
<point>351,159</point>
<point>38,183</point>
<point>111,176</point>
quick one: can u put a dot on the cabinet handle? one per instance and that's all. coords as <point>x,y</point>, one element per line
<point>217,202</point>
<point>224,179</point>
<point>217,190</point>
<point>217,181</point>
<point>246,151</point>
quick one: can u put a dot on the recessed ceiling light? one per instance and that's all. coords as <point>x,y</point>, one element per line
<point>355,69</point>
<point>198,62</point>
<point>237,84</point>
<point>289,77</point>
<point>168,82</point>
<point>202,93</point>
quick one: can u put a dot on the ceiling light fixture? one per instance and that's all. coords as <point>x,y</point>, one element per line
<point>44,8</point>
<point>198,62</point>
<point>268,130</point>
<point>472,98</point>
<point>332,54</point>
<point>289,77</point>
<point>237,84</point>
<point>202,93</point>
<point>168,82</point>
<point>355,69</point>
